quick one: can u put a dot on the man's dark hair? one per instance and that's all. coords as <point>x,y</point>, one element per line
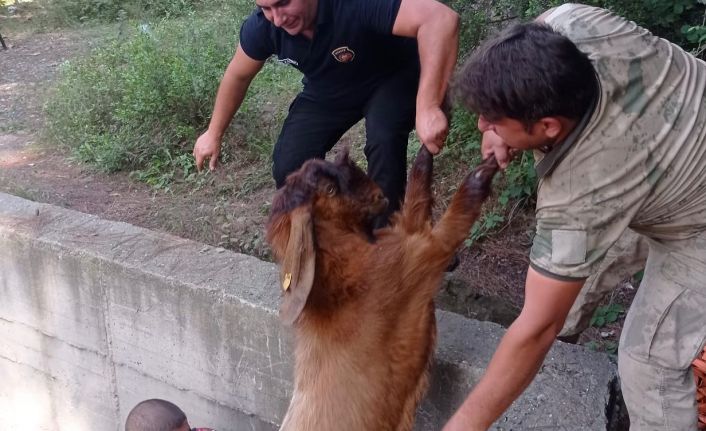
<point>155,415</point>
<point>526,73</point>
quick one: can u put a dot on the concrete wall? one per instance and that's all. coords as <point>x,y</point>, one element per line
<point>98,315</point>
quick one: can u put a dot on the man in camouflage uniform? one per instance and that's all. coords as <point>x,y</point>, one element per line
<point>617,120</point>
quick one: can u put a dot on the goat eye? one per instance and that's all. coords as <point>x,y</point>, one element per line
<point>330,189</point>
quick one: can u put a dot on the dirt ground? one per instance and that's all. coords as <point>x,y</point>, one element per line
<point>487,285</point>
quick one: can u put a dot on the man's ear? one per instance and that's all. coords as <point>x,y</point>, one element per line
<point>550,127</point>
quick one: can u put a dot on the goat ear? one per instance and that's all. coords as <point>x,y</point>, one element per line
<point>343,157</point>
<point>297,268</point>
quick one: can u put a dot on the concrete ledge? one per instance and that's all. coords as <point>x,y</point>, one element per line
<point>98,315</point>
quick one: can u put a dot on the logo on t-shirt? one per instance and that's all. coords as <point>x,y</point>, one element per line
<point>343,54</point>
<point>288,61</point>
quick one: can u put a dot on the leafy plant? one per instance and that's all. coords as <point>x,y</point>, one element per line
<point>608,346</point>
<point>680,21</point>
<point>58,13</point>
<point>606,314</point>
<point>488,222</point>
<point>521,180</point>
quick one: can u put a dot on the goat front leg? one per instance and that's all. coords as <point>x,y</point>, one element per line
<point>416,210</point>
<point>465,206</point>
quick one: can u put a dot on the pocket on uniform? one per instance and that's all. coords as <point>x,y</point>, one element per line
<point>666,325</point>
<point>680,332</point>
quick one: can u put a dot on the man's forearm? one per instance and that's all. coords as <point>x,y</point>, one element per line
<point>512,368</point>
<point>438,49</point>
<point>229,97</point>
<point>520,353</point>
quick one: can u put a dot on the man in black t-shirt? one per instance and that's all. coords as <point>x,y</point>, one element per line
<point>360,59</point>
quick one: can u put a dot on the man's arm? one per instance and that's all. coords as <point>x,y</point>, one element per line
<point>520,352</point>
<point>231,92</point>
<point>436,28</point>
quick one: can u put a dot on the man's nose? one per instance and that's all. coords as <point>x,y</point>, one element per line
<point>277,18</point>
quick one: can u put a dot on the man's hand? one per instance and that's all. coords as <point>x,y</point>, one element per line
<point>435,26</point>
<point>492,144</point>
<point>231,92</point>
<point>208,146</point>
<point>432,128</point>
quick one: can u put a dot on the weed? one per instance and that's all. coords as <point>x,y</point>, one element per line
<point>11,126</point>
<point>253,182</point>
<point>164,167</point>
<point>63,13</point>
<point>490,221</point>
<point>23,192</point>
<point>606,314</point>
<point>521,180</point>
<point>608,346</point>
<point>680,21</point>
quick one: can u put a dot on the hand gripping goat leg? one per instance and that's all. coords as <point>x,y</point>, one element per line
<point>361,302</point>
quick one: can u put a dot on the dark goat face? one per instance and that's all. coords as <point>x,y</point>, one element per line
<point>337,190</point>
<point>351,196</point>
<point>339,193</point>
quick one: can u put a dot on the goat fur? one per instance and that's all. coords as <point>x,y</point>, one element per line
<point>361,302</point>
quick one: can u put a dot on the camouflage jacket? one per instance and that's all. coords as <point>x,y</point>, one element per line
<point>640,159</point>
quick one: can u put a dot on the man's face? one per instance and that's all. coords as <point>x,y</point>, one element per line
<point>293,16</point>
<point>515,134</point>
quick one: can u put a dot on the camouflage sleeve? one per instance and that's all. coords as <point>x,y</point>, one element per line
<point>582,209</point>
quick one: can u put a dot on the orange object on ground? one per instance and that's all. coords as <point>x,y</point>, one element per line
<point>699,366</point>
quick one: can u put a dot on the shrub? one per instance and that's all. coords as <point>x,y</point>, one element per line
<point>138,104</point>
<point>57,13</point>
<point>679,21</point>
<point>132,102</point>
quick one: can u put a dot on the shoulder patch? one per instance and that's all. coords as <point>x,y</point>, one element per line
<point>568,247</point>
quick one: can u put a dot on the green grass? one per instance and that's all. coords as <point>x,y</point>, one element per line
<point>138,103</point>
<point>11,127</point>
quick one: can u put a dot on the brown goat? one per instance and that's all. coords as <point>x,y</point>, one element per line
<point>362,301</point>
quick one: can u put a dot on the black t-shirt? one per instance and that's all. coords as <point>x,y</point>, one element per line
<point>352,51</point>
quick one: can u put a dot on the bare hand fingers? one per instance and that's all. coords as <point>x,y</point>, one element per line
<point>199,161</point>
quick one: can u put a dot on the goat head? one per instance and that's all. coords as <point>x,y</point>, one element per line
<point>338,192</point>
